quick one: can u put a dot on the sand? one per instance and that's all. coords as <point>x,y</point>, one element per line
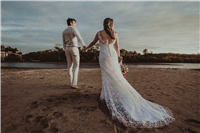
<point>41,101</point>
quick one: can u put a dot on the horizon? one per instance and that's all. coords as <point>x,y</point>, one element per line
<point>148,52</point>
<point>160,27</point>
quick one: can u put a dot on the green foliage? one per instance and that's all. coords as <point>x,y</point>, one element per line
<point>12,57</point>
<point>92,55</point>
<point>128,57</point>
<point>11,49</point>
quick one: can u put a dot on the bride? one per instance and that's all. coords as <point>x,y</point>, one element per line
<point>124,102</point>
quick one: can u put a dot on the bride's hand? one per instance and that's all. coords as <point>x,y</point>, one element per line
<point>120,60</point>
<point>86,49</point>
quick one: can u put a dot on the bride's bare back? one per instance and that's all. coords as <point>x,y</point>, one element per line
<point>105,37</point>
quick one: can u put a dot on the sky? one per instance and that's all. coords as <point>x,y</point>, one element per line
<point>159,26</point>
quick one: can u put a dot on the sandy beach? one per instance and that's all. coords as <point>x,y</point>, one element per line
<point>41,101</point>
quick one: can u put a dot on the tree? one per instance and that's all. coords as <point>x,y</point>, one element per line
<point>97,46</point>
<point>123,52</point>
<point>145,51</point>
<point>59,50</point>
<point>131,53</point>
<point>13,50</point>
<point>134,55</point>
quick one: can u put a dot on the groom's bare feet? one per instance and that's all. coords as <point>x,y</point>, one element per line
<point>74,87</point>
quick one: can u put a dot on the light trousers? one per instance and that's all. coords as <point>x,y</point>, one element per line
<point>73,61</point>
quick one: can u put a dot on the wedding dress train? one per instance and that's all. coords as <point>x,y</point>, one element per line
<point>124,102</point>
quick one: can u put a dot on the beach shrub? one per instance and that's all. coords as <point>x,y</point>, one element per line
<point>12,57</point>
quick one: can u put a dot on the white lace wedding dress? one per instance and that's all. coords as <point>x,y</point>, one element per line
<point>124,102</point>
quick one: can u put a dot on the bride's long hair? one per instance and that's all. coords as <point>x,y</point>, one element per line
<point>108,24</point>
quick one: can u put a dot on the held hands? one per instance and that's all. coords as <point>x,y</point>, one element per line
<point>85,48</point>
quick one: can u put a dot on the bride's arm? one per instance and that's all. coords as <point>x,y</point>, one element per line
<point>93,42</point>
<point>117,46</point>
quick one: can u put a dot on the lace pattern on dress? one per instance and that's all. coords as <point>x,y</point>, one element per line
<point>124,102</point>
<point>127,121</point>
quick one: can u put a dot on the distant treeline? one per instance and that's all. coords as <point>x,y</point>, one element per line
<point>92,55</point>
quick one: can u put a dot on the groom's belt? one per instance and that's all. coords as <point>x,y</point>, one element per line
<point>71,46</point>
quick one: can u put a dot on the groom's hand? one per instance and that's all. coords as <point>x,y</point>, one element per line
<point>84,48</point>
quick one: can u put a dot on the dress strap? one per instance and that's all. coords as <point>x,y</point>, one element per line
<point>100,39</point>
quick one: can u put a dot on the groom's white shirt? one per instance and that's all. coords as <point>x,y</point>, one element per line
<point>71,36</point>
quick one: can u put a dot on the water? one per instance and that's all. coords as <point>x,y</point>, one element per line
<point>96,65</point>
<point>45,65</point>
<point>168,65</point>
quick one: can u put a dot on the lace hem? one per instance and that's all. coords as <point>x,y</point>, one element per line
<point>139,124</point>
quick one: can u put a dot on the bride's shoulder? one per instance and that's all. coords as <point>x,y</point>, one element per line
<point>116,34</point>
<point>100,31</point>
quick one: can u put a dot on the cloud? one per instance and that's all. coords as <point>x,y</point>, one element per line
<point>157,26</point>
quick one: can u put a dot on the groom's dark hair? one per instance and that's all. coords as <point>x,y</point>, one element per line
<point>69,20</point>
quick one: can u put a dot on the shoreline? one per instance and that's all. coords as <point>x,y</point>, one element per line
<point>95,68</point>
<point>141,63</point>
<point>63,65</point>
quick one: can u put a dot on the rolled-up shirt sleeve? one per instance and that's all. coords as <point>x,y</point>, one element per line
<point>80,39</point>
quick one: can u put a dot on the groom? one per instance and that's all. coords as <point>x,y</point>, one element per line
<point>70,45</point>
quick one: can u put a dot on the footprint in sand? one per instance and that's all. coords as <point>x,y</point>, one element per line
<point>158,89</point>
<point>167,95</point>
<point>161,93</point>
<point>86,95</point>
<point>34,105</point>
<point>49,100</point>
<point>105,121</point>
<point>36,119</point>
<point>86,108</point>
<point>192,121</point>
<point>52,101</point>
<point>174,99</point>
<point>190,130</point>
<point>64,98</point>
<point>56,99</point>
<point>44,122</point>
<point>39,118</point>
<point>28,117</point>
<point>52,130</point>
<point>47,119</point>
<point>57,115</point>
<point>149,95</point>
